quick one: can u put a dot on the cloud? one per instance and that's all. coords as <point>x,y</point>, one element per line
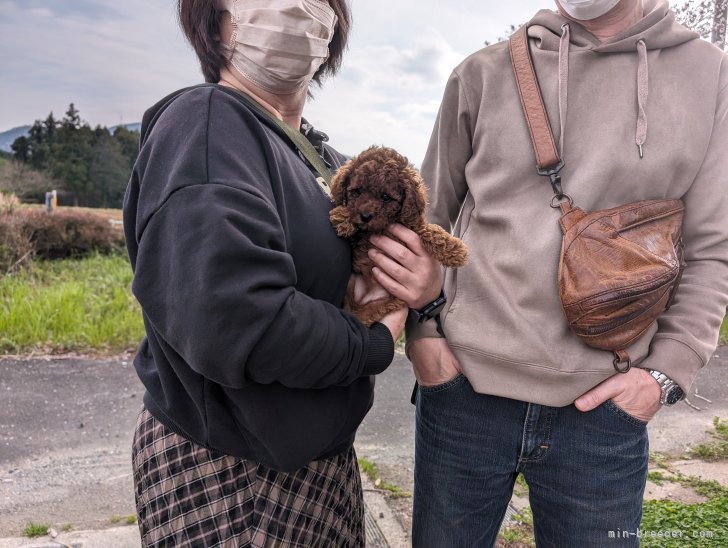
<point>111,64</point>
<point>398,63</point>
<point>386,95</point>
<point>92,9</point>
<point>114,59</point>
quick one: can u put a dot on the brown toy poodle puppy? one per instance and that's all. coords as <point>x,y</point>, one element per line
<point>372,191</point>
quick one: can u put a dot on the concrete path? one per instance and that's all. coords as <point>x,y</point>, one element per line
<point>66,427</point>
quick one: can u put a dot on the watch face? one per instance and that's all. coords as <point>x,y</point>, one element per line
<point>674,395</point>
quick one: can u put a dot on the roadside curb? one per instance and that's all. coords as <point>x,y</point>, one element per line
<point>116,537</point>
<point>383,530</point>
<point>391,530</point>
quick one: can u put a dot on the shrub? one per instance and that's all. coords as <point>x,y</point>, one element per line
<point>8,203</point>
<point>72,234</point>
<point>27,233</point>
<point>16,248</point>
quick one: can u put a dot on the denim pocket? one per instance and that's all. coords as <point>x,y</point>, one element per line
<point>622,414</point>
<point>437,388</point>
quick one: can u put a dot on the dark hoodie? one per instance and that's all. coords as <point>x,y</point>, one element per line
<point>240,277</point>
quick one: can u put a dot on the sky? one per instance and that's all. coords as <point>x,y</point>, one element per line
<point>114,59</point>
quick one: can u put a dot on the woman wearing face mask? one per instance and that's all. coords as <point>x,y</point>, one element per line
<point>639,109</point>
<point>256,380</point>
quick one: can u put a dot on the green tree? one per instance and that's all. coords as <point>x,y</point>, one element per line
<point>21,148</point>
<point>129,143</point>
<point>108,171</point>
<point>39,150</point>
<point>71,156</point>
<point>89,166</point>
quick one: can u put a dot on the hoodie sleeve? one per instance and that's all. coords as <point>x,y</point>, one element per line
<point>688,331</point>
<point>443,170</point>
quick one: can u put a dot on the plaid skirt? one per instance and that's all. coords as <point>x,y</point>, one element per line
<point>189,495</point>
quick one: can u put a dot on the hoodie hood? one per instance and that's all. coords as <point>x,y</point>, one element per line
<point>658,29</point>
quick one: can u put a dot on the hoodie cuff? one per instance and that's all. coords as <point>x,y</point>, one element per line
<point>415,330</point>
<point>381,349</point>
<point>675,359</point>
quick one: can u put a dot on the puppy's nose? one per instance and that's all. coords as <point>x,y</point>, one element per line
<point>366,217</point>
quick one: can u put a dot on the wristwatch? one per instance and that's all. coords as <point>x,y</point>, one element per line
<point>429,310</point>
<point>671,391</point>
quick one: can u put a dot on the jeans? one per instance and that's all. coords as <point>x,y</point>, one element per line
<point>586,472</point>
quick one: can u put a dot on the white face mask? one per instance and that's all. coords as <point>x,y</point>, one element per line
<point>279,44</point>
<point>586,10</point>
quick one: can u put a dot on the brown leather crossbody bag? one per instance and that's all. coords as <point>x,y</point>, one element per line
<point>619,268</point>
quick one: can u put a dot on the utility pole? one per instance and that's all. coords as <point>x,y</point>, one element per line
<point>720,18</point>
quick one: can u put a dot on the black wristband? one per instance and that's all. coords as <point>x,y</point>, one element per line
<point>430,310</point>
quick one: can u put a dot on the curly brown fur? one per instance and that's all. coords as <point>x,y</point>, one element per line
<point>372,191</point>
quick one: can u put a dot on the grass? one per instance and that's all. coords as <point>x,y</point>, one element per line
<point>370,470</point>
<point>520,532</point>
<point>70,305</point>
<point>703,525</point>
<point>715,450</point>
<point>33,530</point>
<point>113,214</point>
<point>724,331</point>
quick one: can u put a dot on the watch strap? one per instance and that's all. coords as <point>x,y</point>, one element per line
<point>431,309</point>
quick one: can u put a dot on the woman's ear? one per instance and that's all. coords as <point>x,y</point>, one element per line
<point>340,183</point>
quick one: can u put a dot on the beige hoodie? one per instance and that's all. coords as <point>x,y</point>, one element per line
<point>504,320</point>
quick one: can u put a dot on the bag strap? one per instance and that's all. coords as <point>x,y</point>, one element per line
<point>298,140</point>
<point>548,160</point>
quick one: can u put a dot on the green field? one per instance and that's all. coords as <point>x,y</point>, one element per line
<point>70,305</point>
<point>81,305</point>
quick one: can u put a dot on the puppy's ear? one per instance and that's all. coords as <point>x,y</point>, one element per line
<point>415,198</point>
<point>340,183</point>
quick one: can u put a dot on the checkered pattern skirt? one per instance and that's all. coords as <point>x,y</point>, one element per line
<point>189,495</point>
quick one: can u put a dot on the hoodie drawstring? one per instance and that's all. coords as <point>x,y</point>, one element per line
<point>642,93</point>
<point>642,89</point>
<point>563,82</point>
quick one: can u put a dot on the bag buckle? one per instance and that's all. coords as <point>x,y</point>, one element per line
<point>621,356</point>
<point>553,174</point>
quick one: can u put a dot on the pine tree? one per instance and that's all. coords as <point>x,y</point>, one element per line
<point>71,155</point>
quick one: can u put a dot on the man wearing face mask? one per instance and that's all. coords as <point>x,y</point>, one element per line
<point>504,386</point>
<point>256,380</point>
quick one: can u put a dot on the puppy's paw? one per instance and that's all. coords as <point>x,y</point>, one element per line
<point>339,217</point>
<point>449,251</point>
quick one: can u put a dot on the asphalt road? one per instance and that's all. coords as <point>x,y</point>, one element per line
<point>66,427</point>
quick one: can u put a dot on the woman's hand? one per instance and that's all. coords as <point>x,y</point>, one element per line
<point>394,321</point>
<point>404,268</point>
<point>433,361</point>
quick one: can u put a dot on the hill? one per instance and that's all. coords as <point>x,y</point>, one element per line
<point>7,137</point>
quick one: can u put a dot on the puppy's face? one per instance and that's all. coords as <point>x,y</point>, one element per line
<point>377,188</point>
<point>373,200</point>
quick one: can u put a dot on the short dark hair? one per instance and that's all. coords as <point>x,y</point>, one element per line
<point>200,22</point>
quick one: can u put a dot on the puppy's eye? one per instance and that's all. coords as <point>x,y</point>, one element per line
<point>355,191</point>
<point>387,198</point>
